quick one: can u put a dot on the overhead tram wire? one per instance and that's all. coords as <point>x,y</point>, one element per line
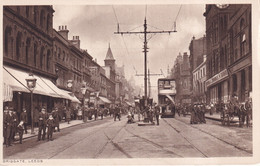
<point>118,30</point>
<point>173,26</point>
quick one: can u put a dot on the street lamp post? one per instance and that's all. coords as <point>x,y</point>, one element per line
<point>31,83</point>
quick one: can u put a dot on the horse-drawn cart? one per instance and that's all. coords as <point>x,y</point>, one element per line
<point>230,111</point>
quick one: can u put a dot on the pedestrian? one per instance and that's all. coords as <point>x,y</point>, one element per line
<point>42,124</point>
<point>9,128</point>
<point>50,125</point>
<point>36,117</point>
<point>95,113</point>
<point>57,119</point>
<point>5,115</point>
<point>117,113</point>
<point>20,130</point>
<point>173,109</point>
<point>15,123</point>
<point>193,117</point>
<point>157,113</point>
<point>68,115</point>
<point>129,118</point>
<point>150,114</point>
<point>24,118</point>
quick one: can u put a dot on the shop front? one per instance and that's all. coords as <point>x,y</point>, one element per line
<point>241,79</point>
<point>17,94</point>
<point>218,87</point>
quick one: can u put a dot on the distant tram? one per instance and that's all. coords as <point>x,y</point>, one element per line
<point>166,96</point>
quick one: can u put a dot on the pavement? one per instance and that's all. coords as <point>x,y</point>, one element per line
<point>63,125</point>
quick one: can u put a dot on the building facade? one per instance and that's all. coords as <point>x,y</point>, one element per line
<point>181,73</point>
<point>229,51</point>
<point>28,45</point>
<point>198,83</point>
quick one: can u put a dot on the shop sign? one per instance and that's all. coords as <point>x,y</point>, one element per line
<point>223,74</point>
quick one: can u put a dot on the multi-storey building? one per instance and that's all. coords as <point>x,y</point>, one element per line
<point>229,51</point>
<point>28,48</point>
<point>181,73</point>
<point>199,79</point>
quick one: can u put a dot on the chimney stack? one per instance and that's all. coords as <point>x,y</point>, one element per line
<point>75,41</point>
<point>63,31</point>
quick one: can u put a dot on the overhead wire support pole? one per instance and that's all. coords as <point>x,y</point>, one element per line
<point>145,32</point>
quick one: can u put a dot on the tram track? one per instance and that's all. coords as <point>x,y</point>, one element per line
<point>110,140</point>
<point>89,134</point>
<point>153,143</point>
<point>222,140</point>
<point>179,132</point>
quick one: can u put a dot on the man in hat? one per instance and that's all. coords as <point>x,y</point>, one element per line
<point>157,113</point>
<point>57,118</point>
<point>5,124</point>
<point>24,118</point>
<point>9,126</point>
<point>50,125</point>
<point>15,123</point>
<point>42,124</point>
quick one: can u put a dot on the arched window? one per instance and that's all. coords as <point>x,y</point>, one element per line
<point>27,50</point>
<point>42,18</point>
<point>18,9</point>
<point>48,22</point>
<point>42,56</point>
<point>27,11</point>
<point>63,58</point>
<point>58,53</point>
<point>35,48</point>
<point>18,45</point>
<point>242,38</point>
<point>35,13</point>
<point>48,59</point>
<point>7,42</point>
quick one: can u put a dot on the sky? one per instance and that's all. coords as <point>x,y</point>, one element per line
<point>95,25</point>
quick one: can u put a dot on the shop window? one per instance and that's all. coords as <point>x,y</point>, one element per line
<point>234,77</point>
<point>243,85</point>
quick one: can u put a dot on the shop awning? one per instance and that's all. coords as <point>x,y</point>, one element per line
<point>20,76</point>
<point>13,83</point>
<point>15,78</point>
<point>73,99</point>
<point>57,90</point>
<point>104,99</point>
<point>7,93</point>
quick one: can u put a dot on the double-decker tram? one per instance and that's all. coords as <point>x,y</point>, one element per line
<point>166,96</point>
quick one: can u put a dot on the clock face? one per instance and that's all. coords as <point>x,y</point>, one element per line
<point>222,6</point>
